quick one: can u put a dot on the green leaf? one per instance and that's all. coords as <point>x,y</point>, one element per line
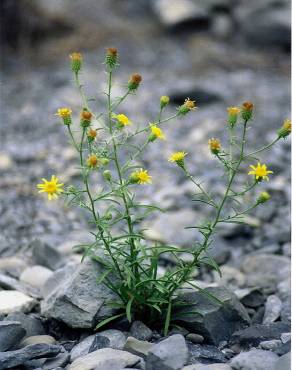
<point>128,309</point>
<point>167,320</point>
<point>109,319</point>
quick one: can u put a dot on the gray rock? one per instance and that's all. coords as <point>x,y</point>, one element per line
<point>271,345</point>
<point>13,301</point>
<point>109,338</point>
<point>45,255</point>
<point>138,347</point>
<point>11,333</point>
<point>31,324</point>
<point>285,337</point>
<point>10,283</point>
<point>256,359</point>
<point>35,276</point>
<point>78,300</point>
<point>169,354</point>
<point>273,309</point>
<point>36,339</point>
<point>250,297</point>
<point>252,336</point>
<point>12,266</point>
<point>107,359</point>
<point>21,356</point>
<point>140,331</point>
<point>205,353</point>
<point>283,363</point>
<point>195,338</point>
<point>207,367</point>
<point>231,277</point>
<point>58,362</point>
<point>214,320</point>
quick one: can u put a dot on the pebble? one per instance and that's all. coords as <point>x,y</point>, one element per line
<point>11,333</point>
<point>271,344</point>
<point>140,331</point>
<point>195,338</point>
<point>12,301</point>
<point>207,367</point>
<point>32,324</point>
<point>35,276</point>
<point>256,359</point>
<point>138,347</point>
<point>285,337</point>
<point>36,339</point>
<point>273,309</point>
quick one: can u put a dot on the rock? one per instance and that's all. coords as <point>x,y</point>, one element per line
<point>207,367</point>
<point>250,297</point>
<point>213,320</point>
<point>55,363</point>
<point>205,353</point>
<point>140,331</point>
<point>45,255</point>
<point>285,337</point>
<point>284,362</point>
<point>19,357</point>
<point>36,339</point>
<point>195,338</point>
<point>283,349</point>
<point>11,333</point>
<point>12,301</point>
<point>273,309</point>
<point>231,277</point>
<point>266,270</point>
<point>78,300</point>
<point>270,345</point>
<point>107,359</point>
<point>252,336</point>
<point>10,283</point>
<point>109,338</point>
<point>256,359</point>
<point>12,266</point>
<point>35,276</point>
<point>31,324</point>
<point>169,354</point>
<point>138,347</point>
<point>173,13</point>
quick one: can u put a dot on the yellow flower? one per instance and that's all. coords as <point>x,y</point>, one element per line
<point>122,119</point>
<point>285,130</point>
<point>92,160</point>
<point>260,172</point>
<point>214,145</point>
<point>76,57</point>
<point>51,187</point>
<point>76,61</point>
<point>141,177</point>
<point>164,100</point>
<point>187,106</point>
<point>64,112</point>
<point>287,124</point>
<point>233,111</point>
<point>156,133</point>
<point>177,157</point>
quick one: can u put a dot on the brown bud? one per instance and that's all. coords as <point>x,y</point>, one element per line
<point>112,52</point>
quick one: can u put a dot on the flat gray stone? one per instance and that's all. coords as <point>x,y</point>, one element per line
<point>37,339</point>
<point>213,320</point>
<point>14,301</point>
<point>273,309</point>
<point>195,338</point>
<point>256,359</point>
<point>284,362</point>
<point>11,333</point>
<point>107,359</point>
<point>207,367</point>
<point>169,354</point>
<point>30,323</point>
<point>140,331</point>
<point>35,276</point>
<point>45,255</point>
<point>138,347</point>
<point>73,296</point>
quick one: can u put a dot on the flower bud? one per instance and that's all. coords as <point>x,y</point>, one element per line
<point>263,197</point>
<point>85,118</point>
<point>214,145</point>
<point>187,107</point>
<point>232,115</point>
<point>65,114</point>
<point>91,135</point>
<point>111,59</point>
<point>247,110</point>
<point>164,101</point>
<point>76,62</point>
<point>134,82</point>
<point>108,216</point>
<point>107,175</point>
<point>92,161</point>
<point>285,130</point>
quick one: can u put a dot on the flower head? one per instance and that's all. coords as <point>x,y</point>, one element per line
<point>51,187</point>
<point>247,110</point>
<point>187,106</point>
<point>214,145</point>
<point>233,115</point>
<point>263,197</point>
<point>156,133</point>
<point>92,161</point>
<point>285,130</point>
<point>91,134</point>
<point>122,119</point>
<point>134,81</point>
<point>164,101</point>
<point>65,114</point>
<point>111,59</point>
<point>260,172</point>
<point>85,118</point>
<point>140,177</point>
<point>76,61</point>
<point>178,158</point>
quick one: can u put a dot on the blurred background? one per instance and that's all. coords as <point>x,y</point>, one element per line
<point>217,52</point>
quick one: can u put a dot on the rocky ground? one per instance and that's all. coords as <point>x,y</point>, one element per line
<point>49,302</point>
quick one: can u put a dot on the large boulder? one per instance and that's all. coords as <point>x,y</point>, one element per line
<point>256,359</point>
<point>73,296</point>
<point>215,320</point>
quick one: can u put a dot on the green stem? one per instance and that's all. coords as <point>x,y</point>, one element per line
<point>262,149</point>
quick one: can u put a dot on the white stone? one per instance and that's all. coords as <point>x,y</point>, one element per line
<point>35,276</point>
<point>14,301</point>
